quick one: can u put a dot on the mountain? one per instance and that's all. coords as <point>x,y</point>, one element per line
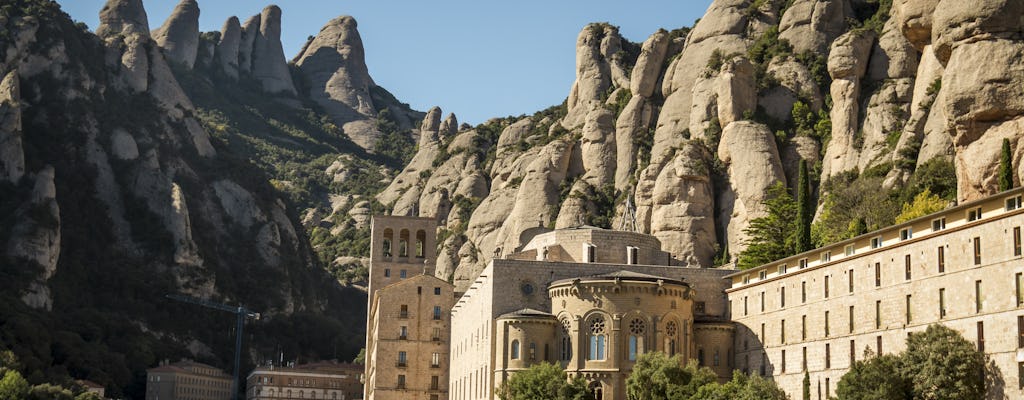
<point>136,163</point>
<point>681,136</point>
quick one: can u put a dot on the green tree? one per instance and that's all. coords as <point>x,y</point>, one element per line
<point>48,391</point>
<point>805,210</point>
<point>941,364</point>
<point>807,385</point>
<point>13,386</point>
<point>657,376</point>
<point>361,357</point>
<point>544,382</point>
<point>876,378</point>
<point>741,387</point>
<point>924,203</point>
<point>1006,167</point>
<point>88,396</point>
<point>772,236</point>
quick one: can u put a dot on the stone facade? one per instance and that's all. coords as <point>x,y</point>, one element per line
<point>408,318</point>
<point>323,380</point>
<point>548,308</point>
<point>187,380</point>
<point>822,309</point>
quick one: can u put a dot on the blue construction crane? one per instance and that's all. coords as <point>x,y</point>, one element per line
<point>242,313</point>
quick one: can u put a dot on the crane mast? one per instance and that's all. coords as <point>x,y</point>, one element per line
<point>241,314</point>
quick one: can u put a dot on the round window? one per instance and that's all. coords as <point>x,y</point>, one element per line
<point>527,288</point>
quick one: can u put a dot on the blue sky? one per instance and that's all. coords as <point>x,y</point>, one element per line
<point>477,58</point>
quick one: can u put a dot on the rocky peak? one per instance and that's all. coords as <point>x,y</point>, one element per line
<point>250,29</point>
<point>12,158</point>
<point>227,49</point>
<point>335,64</point>
<point>123,17</point>
<point>179,36</point>
<point>449,127</point>
<point>595,46</point>
<point>269,65</point>
<point>430,127</point>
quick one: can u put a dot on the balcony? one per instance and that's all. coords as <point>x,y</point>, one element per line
<point>401,364</point>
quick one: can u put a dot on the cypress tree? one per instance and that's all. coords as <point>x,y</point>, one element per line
<point>1006,167</point>
<point>807,385</point>
<point>804,210</point>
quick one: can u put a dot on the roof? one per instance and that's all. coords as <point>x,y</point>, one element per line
<point>90,384</point>
<point>622,275</point>
<point>526,313</point>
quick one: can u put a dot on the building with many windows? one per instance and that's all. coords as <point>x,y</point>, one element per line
<point>408,318</point>
<point>321,380</point>
<point>591,300</point>
<point>820,310</point>
<point>187,380</point>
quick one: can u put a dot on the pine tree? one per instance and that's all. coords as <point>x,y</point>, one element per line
<point>805,210</point>
<point>1006,167</point>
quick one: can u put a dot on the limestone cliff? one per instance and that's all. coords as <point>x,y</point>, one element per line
<point>680,136</point>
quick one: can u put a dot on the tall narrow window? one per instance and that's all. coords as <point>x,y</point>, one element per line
<point>597,338</point>
<point>744,305</point>
<point>1016,241</point>
<point>942,303</point>
<point>878,274</point>
<point>850,279</point>
<point>853,351</point>
<point>1020,332</point>
<point>803,361</point>
<point>826,285</point>
<point>637,330</point>
<point>851,319</point>
<point>878,342</point>
<point>437,312</point>
<point>782,332</point>
<point>878,314</point>
<point>386,248</point>
<point>670,341</point>
<point>421,240</point>
<point>589,253</point>
<point>906,266</point>
<point>435,382</point>
<point>403,333</point>
<point>803,292</point>
<point>979,301</point>
<point>1019,283</point>
<point>782,296</point>
<point>826,324</point>
<point>803,327</point>
<point>435,360</point>
<point>762,301</point>
<point>533,351</point>
<point>942,259</point>
<point>910,315</point>
<point>403,311</point>
<point>977,251</point>
<point>632,254</point>
<point>401,382</point>
<point>828,356</point>
<point>402,358</point>
<point>566,342</point>
<point>981,336</point>
<point>783,361</point>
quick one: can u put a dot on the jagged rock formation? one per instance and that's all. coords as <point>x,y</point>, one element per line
<point>115,194</point>
<point>269,66</point>
<point>725,115</point>
<point>227,49</point>
<point>12,158</point>
<point>179,36</point>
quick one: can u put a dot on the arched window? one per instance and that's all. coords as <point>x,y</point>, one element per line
<point>671,330</point>
<point>386,247</point>
<point>566,345</point>
<point>637,329</point>
<point>403,243</point>
<point>597,389</point>
<point>515,349</point>
<point>421,244</point>
<point>598,338</point>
